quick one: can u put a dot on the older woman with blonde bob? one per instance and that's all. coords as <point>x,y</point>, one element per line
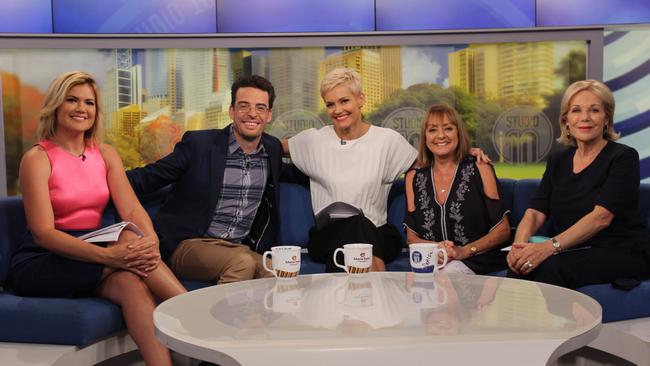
<point>67,179</point>
<point>590,191</point>
<point>453,199</point>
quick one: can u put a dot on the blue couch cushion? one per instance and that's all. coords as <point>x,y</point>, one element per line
<point>79,322</point>
<point>308,266</point>
<point>296,215</point>
<point>618,304</point>
<point>524,192</point>
<point>507,192</point>
<point>400,264</point>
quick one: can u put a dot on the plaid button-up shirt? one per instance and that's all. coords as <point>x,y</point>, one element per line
<point>243,186</point>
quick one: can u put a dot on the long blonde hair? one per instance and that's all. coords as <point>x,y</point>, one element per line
<point>55,96</point>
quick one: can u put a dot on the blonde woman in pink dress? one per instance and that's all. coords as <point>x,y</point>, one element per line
<point>67,179</point>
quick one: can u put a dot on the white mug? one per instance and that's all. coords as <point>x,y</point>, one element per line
<point>424,257</point>
<point>285,262</point>
<point>285,297</point>
<point>357,257</point>
<point>427,293</point>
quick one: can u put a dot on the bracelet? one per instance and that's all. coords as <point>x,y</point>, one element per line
<point>473,250</point>
<point>556,246</point>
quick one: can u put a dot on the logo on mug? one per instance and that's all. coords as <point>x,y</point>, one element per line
<point>292,261</point>
<point>416,256</point>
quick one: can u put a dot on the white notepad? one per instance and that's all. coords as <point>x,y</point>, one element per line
<point>110,233</point>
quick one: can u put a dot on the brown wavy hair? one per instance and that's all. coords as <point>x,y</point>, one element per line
<point>439,112</point>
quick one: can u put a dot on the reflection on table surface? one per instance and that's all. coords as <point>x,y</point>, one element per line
<point>379,306</point>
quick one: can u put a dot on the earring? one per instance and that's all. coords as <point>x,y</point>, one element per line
<point>568,132</point>
<point>605,130</point>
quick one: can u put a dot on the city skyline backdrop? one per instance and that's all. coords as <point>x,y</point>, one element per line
<point>151,96</point>
<point>198,80</point>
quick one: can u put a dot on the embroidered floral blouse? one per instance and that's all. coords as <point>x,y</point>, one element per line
<point>467,215</point>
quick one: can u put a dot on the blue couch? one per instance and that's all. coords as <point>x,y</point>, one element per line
<point>80,323</point>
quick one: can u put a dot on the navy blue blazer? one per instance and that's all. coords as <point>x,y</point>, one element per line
<point>195,171</point>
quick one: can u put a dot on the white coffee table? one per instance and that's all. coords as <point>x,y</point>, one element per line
<point>378,319</point>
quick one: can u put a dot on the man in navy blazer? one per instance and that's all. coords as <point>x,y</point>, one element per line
<point>221,211</point>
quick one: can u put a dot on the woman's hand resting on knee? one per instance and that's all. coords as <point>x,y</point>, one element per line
<point>146,254</point>
<point>132,253</point>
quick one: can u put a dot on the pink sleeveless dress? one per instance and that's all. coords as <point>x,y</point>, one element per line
<point>78,187</point>
<point>78,193</point>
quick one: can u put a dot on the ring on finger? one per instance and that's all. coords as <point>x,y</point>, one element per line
<point>528,264</point>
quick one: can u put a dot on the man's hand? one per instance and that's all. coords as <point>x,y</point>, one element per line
<point>480,156</point>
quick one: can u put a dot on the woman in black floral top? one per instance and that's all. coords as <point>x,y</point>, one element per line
<point>453,199</point>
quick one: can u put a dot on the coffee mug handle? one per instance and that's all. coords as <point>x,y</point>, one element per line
<point>267,253</point>
<point>444,262</point>
<point>336,263</point>
<point>266,299</point>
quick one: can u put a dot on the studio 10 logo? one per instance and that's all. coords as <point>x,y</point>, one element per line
<point>522,134</point>
<point>290,123</point>
<point>407,121</point>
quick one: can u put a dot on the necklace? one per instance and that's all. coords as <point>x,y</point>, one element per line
<point>73,153</point>
<point>445,180</point>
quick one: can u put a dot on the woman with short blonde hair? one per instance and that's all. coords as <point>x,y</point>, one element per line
<point>341,76</point>
<point>354,163</point>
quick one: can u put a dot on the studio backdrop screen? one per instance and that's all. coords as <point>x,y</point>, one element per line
<point>506,93</point>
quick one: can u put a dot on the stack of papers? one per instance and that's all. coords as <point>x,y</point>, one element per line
<point>110,233</point>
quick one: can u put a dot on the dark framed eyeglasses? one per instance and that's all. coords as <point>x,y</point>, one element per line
<point>245,107</point>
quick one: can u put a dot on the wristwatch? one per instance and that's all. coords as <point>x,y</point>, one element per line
<point>556,246</point>
<point>473,250</point>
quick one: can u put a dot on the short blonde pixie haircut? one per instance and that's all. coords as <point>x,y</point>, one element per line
<point>341,76</point>
<point>55,96</point>
<point>439,112</point>
<point>606,97</point>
